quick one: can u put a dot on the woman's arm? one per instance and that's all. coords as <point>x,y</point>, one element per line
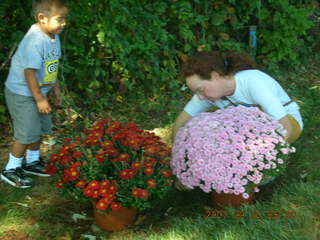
<point>287,126</point>
<point>180,122</point>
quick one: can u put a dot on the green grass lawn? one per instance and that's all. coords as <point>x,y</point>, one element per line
<point>289,208</point>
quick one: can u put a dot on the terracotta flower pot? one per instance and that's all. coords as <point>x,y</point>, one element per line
<point>115,220</point>
<point>223,200</point>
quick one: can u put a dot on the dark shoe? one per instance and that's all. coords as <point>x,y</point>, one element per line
<point>36,168</point>
<point>16,178</point>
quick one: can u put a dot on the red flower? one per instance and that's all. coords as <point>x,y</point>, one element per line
<point>115,206</point>
<point>66,140</point>
<point>113,188</point>
<point>143,193</point>
<point>94,185</point>
<point>136,165</point>
<point>149,162</point>
<point>150,150</point>
<point>77,154</point>
<point>124,157</point>
<point>100,157</point>
<point>54,158</point>
<point>71,174</point>
<point>101,205</point>
<point>166,173</point>
<point>169,182</point>
<point>151,183</point>
<point>115,160</point>
<point>107,144</point>
<point>126,174</point>
<point>88,192</point>
<point>65,160</point>
<point>103,191</point>
<point>81,184</point>
<point>139,193</point>
<point>133,142</point>
<point>110,162</point>
<point>78,138</point>
<point>59,184</point>
<point>76,165</point>
<point>112,151</point>
<point>50,169</point>
<point>135,192</point>
<point>105,183</point>
<point>109,197</point>
<point>66,148</point>
<point>148,171</point>
<point>95,194</point>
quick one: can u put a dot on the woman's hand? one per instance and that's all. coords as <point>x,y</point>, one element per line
<point>285,122</point>
<point>178,185</point>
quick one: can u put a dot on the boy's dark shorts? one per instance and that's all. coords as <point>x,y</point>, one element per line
<point>28,123</point>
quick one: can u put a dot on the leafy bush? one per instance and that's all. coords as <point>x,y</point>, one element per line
<point>111,47</point>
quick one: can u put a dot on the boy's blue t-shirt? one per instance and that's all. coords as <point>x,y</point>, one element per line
<point>37,51</point>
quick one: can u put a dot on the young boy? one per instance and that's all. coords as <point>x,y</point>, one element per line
<point>33,73</point>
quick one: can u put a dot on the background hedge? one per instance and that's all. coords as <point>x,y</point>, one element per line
<point>115,47</point>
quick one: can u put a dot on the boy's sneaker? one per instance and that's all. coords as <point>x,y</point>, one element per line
<point>36,168</point>
<point>16,178</point>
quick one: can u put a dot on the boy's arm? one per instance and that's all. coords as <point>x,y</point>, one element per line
<point>42,103</point>
<point>57,94</point>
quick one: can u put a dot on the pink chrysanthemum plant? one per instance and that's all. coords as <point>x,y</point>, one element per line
<point>114,165</point>
<point>230,150</point>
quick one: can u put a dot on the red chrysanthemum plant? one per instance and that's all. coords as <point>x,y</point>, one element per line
<point>113,164</point>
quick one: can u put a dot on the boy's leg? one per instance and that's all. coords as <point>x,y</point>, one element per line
<point>33,152</point>
<point>16,156</point>
<point>19,109</point>
<point>13,173</point>
<point>34,165</point>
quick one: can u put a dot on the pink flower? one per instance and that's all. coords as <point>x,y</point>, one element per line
<point>228,149</point>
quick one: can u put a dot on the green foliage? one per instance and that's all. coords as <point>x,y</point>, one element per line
<point>111,47</point>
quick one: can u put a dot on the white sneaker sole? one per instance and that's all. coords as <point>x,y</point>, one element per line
<point>36,174</point>
<point>12,183</point>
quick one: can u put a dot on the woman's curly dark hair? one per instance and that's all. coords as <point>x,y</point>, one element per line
<point>204,63</point>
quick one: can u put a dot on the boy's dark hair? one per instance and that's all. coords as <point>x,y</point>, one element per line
<point>204,63</point>
<point>47,6</point>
